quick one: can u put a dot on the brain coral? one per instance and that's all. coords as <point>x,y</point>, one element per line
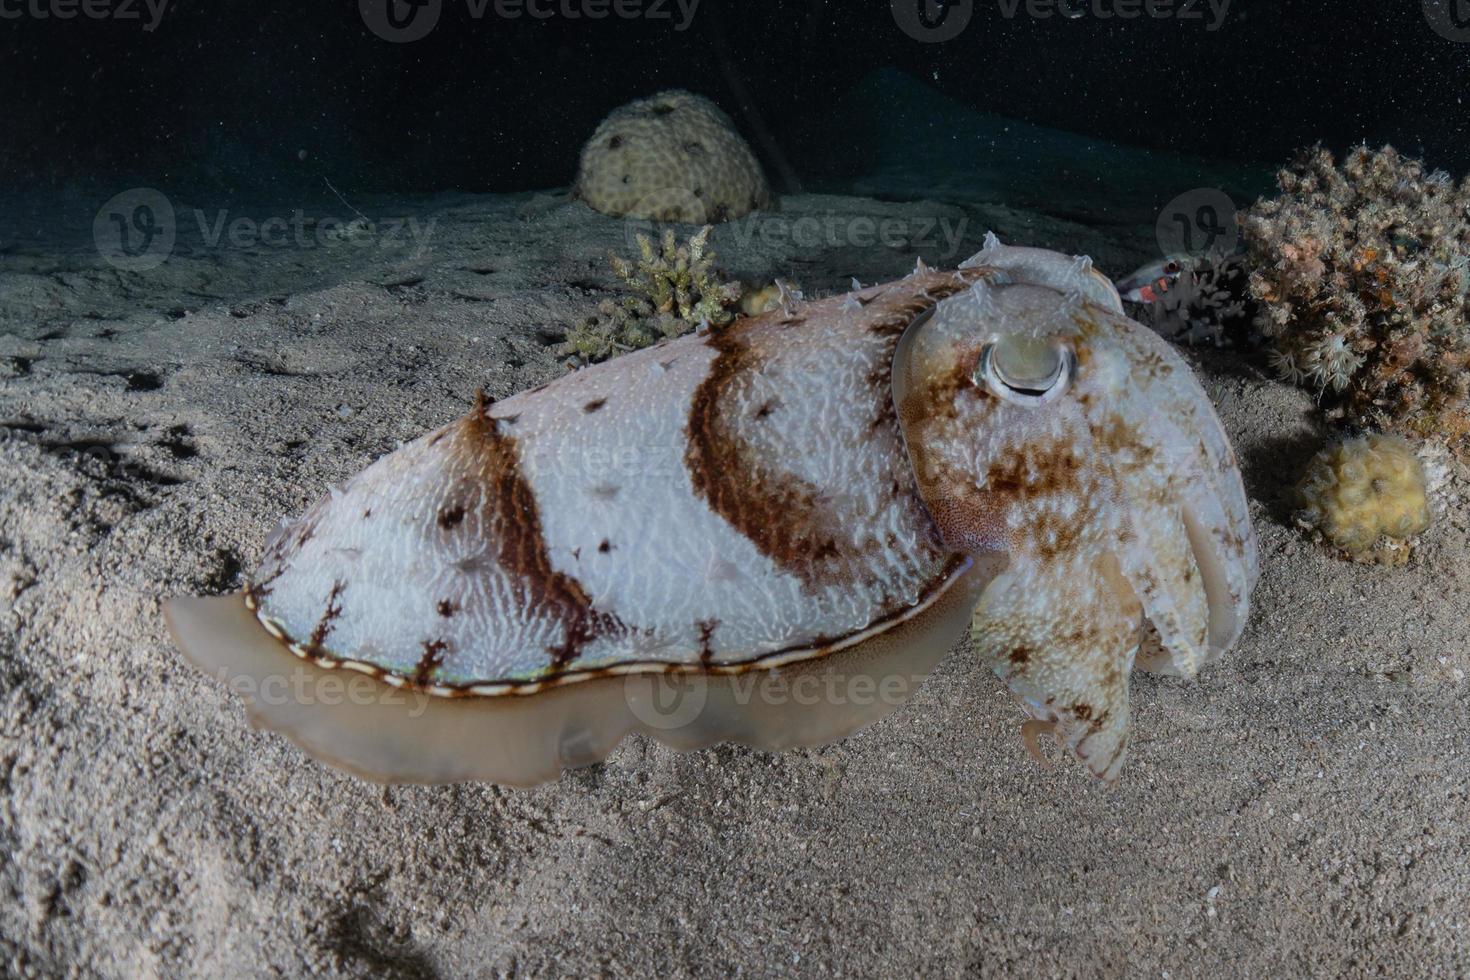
<point>673,156</point>
<point>1358,492</point>
<point>1361,274</point>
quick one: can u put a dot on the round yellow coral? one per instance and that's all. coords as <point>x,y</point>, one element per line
<point>673,156</point>
<point>1357,492</point>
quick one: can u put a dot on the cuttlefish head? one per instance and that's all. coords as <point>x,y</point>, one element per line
<point>1048,429</point>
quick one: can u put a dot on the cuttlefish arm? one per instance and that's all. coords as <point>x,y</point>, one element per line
<point>1047,427</point>
<point>1063,637</point>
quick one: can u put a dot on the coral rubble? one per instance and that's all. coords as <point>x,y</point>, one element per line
<point>1360,272</point>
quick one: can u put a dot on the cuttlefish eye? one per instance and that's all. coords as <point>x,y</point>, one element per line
<point>1025,370</point>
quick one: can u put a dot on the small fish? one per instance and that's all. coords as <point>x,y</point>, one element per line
<point>1149,283</point>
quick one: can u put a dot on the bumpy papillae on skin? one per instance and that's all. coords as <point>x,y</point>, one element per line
<point>749,499</point>
<point>714,502</point>
<point>1117,502</point>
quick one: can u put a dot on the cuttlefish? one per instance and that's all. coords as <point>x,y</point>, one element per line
<point>767,533</point>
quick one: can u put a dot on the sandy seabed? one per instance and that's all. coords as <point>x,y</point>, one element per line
<point>1300,808</point>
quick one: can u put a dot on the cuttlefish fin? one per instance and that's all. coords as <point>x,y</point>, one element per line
<point>1062,634</point>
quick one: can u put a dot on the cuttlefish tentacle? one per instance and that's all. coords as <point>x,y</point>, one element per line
<point>1062,633</point>
<point>1046,427</point>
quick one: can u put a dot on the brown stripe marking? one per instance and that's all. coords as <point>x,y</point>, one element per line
<point>783,516</point>
<point>329,616</point>
<point>706,634</point>
<point>789,520</point>
<point>921,293</point>
<point>433,657</point>
<point>282,547</point>
<point>508,517</point>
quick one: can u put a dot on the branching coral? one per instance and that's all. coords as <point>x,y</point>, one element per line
<point>1361,275</point>
<point>1206,305</point>
<point>671,290</point>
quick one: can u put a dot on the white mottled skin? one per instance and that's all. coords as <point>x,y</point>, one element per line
<point>786,486</point>
<point>1043,267</point>
<point>618,475</point>
<point>1119,505</point>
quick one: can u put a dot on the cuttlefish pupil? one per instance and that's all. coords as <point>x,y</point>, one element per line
<point>1025,370</point>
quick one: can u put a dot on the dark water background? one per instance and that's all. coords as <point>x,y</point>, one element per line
<point>256,95</point>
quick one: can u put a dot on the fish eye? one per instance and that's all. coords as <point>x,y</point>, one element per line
<point>1172,268</point>
<point>1025,370</point>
